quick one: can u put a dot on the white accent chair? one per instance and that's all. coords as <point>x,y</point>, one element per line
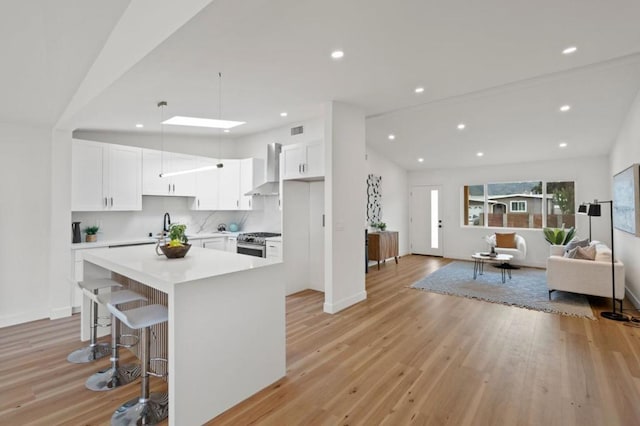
<point>518,253</point>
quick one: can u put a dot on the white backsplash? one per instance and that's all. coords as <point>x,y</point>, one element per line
<point>138,224</point>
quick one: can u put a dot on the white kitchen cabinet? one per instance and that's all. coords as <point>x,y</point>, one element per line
<point>229,185</point>
<point>105,177</point>
<point>217,243</point>
<point>274,249</point>
<point>232,244</point>
<point>207,183</point>
<point>251,176</point>
<point>156,162</point>
<point>303,161</point>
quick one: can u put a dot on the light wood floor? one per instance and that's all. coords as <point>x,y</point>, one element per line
<point>401,357</point>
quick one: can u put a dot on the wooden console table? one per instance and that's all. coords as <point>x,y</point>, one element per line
<point>383,245</point>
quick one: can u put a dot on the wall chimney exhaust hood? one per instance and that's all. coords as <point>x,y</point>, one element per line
<point>272,185</point>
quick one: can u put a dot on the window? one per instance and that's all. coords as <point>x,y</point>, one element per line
<point>561,206</point>
<point>474,205</point>
<point>518,206</point>
<point>529,204</point>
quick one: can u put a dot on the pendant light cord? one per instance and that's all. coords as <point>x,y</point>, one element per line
<point>220,164</point>
<point>161,105</point>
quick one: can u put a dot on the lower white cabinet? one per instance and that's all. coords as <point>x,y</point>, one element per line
<point>274,250</point>
<point>218,243</point>
<point>232,244</point>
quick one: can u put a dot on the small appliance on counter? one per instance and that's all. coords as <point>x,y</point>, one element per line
<point>222,227</point>
<point>75,228</point>
<point>233,227</point>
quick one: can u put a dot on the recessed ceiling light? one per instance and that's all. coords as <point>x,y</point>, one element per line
<point>569,50</point>
<point>420,160</point>
<point>226,130</point>
<point>565,108</point>
<point>480,154</point>
<point>461,126</point>
<point>202,122</point>
<point>562,144</point>
<point>139,126</point>
<point>337,54</point>
<point>419,89</point>
<point>391,137</point>
<point>283,114</point>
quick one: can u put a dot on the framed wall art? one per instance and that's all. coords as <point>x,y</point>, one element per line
<point>626,200</point>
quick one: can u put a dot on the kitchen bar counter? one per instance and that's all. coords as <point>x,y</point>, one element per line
<point>226,324</point>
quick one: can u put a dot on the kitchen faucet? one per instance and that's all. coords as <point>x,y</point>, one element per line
<point>166,223</point>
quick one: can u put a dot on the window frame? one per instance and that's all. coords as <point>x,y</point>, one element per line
<point>512,202</point>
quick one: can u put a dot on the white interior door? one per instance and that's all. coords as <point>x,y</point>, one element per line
<point>426,220</point>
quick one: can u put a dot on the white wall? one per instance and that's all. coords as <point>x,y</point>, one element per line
<point>395,196</point>
<point>592,181</point>
<point>24,223</point>
<point>625,152</point>
<point>345,204</point>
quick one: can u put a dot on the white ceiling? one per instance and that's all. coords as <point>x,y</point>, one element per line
<point>47,48</point>
<point>495,64</point>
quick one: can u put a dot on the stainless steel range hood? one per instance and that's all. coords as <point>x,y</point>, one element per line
<point>272,185</point>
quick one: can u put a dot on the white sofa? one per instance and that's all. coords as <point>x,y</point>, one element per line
<point>592,277</point>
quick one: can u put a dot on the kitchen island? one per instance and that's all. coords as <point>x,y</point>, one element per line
<point>226,329</point>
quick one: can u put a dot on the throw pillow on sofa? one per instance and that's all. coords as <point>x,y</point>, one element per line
<point>576,242</point>
<point>571,254</point>
<point>586,253</point>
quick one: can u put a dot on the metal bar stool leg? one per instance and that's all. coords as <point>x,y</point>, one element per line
<point>148,408</point>
<point>116,375</point>
<point>95,350</point>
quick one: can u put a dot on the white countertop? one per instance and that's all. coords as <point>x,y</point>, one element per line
<point>141,263</point>
<point>147,240</point>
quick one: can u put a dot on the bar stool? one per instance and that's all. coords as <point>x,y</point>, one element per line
<point>148,408</point>
<point>116,375</point>
<point>95,350</point>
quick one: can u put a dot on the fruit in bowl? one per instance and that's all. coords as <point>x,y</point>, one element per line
<point>177,246</point>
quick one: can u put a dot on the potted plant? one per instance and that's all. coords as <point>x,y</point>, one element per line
<point>382,226</point>
<point>91,232</point>
<point>178,244</point>
<point>558,238</point>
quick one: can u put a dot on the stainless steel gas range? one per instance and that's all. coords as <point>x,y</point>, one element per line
<point>254,243</point>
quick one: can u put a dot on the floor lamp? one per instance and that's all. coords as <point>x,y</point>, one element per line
<point>594,210</point>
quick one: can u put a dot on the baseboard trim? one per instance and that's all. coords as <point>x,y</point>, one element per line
<point>632,298</point>
<point>21,318</point>
<point>333,308</point>
<point>67,311</point>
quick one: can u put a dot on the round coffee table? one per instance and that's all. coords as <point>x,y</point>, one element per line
<point>501,261</point>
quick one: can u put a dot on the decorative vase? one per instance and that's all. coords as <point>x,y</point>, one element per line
<point>556,250</point>
<point>493,253</point>
<point>91,238</point>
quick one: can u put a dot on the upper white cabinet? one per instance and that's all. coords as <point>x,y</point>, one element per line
<point>207,183</point>
<point>229,185</point>
<point>303,161</point>
<point>156,162</point>
<point>251,176</point>
<point>105,177</point>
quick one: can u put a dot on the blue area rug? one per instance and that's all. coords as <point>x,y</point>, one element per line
<point>526,289</point>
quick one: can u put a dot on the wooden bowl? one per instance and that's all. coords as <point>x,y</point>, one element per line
<point>175,252</point>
